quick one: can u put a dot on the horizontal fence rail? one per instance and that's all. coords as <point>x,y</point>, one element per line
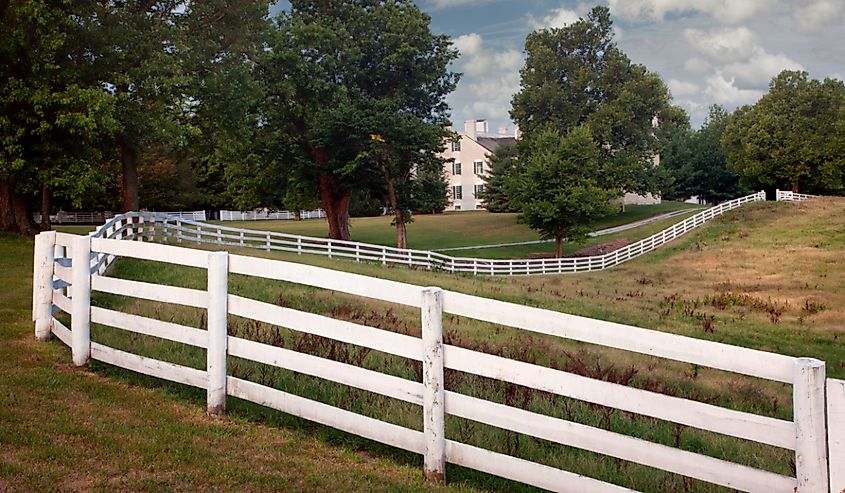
<point>786,196</point>
<point>69,268</point>
<point>176,230</point>
<point>265,214</point>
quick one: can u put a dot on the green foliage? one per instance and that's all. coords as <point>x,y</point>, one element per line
<point>505,166</point>
<point>576,76</point>
<point>360,87</point>
<point>564,187</point>
<point>429,194</point>
<point>697,162</point>
<point>50,118</point>
<point>793,137</point>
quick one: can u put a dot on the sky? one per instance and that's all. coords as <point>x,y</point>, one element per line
<point>707,51</point>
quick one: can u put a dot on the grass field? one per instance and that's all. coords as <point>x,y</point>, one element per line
<point>452,229</point>
<point>767,276</point>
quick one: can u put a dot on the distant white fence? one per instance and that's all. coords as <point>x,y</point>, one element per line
<point>265,214</point>
<point>63,217</point>
<point>171,230</point>
<point>787,196</point>
<point>190,215</point>
<point>64,261</point>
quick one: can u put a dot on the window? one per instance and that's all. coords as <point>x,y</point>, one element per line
<point>478,167</point>
<point>456,146</point>
<point>456,168</point>
<point>477,190</point>
<point>457,192</point>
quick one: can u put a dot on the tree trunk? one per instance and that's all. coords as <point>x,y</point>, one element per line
<point>45,208</point>
<point>15,214</point>
<point>297,215</point>
<point>398,213</point>
<point>558,246</point>
<point>129,160</point>
<point>795,186</point>
<point>335,201</point>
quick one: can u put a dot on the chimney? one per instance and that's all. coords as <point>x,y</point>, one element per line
<point>516,133</point>
<point>470,127</point>
<point>503,131</point>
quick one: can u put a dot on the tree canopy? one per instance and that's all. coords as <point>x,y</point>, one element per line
<point>793,137</point>
<point>360,87</point>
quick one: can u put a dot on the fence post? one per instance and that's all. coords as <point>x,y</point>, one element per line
<point>777,195</point>
<point>268,241</point>
<point>810,436</point>
<point>81,301</point>
<point>218,337</point>
<point>836,434</point>
<point>42,283</point>
<point>434,411</point>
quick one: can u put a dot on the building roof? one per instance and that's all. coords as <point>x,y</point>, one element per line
<point>491,143</point>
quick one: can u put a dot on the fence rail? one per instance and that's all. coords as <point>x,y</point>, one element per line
<point>788,196</point>
<point>178,231</point>
<point>69,268</point>
<point>265,214</point>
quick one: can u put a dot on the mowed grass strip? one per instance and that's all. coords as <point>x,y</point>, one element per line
<point>68,429</point>
<point>451,229</point>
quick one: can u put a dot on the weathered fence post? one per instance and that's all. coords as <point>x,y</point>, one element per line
<point>777,195</point>
<point>80,306</point>
<point>218,313</point>
<point>434,411</point>
<point>42,283</point>
<point>810,436</point>
<point>836,434</point>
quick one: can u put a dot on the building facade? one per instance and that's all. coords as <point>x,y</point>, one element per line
<point>471,163</point>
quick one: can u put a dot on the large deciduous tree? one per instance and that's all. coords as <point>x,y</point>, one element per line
<point>792,137</point>
<point>564,187</point>
<point>50,120</point>
<point>577,75</point>
<point>360,87</point>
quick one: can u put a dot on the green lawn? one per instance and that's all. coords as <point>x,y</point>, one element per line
<point>452,229</point>
<point>767,276</point>
<point>67,429</point>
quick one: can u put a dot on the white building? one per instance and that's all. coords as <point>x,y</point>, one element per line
<point>471,163</point>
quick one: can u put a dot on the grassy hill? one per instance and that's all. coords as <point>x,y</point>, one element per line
<point>767,276</point>
<point>452,229</point>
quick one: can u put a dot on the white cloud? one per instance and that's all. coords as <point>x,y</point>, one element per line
<point>491,78</point>
<point>557,18</point>
<point>759,69</point>
<point>445,4</point>
<point>697,65</point>
<point>725,92</point>
<point>682,88</point>
<point>818,13</point>
<point>723,45</point>
<point>737,52</point>
<point>726,11</point>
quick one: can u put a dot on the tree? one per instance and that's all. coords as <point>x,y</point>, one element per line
<point>698,163</point>
<point>576,76</point>
<point>504,167</point>
<point>50,121</point>
<point>360,87</point>
<point>430,190</point>
<point>564,187</point>
<point>792,137</point>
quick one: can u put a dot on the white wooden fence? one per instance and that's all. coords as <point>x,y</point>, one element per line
<point>805,434</point>
<point>788,196</point>
<point>179,231</point>
<point>265,214</point>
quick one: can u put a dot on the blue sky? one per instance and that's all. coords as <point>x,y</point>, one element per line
<point>707,51</point>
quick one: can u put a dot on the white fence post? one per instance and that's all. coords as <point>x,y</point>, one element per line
<point>434,411</point>
<point>42,282</point>
<point>218,313</point>
<point>777,195</point>
<point>81,301</point>
<point>836,434</point>
<point>810,437</point>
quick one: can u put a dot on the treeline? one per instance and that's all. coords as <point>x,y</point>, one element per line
<point>165,104</point>
<point>597,126</point>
